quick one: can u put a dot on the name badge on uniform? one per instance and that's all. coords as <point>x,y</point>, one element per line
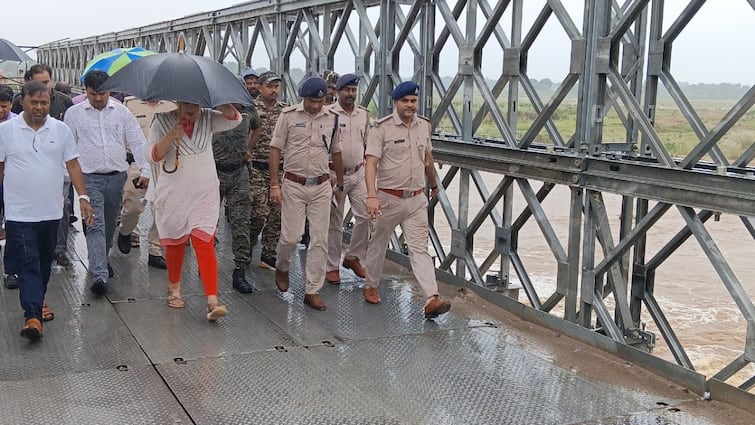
<point>399,141</point>
<point>300,124</point>
<point>342,125</point>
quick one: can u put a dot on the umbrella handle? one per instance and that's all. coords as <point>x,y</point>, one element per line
<point>166,171</point>
<point>175,168</point>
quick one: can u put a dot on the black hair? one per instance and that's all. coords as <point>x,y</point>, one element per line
<point>63,88</point>
<point>94,79</point>
<point>37,69</point>
<point>6,93</point>
<point>33,87</point>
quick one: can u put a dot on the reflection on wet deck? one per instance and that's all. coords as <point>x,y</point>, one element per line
<point>129,359</point>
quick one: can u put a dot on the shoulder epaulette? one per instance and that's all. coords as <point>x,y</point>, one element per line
<point>423,118</point>
<point>283,104</point>
<point>384,119</point>
<point>289,109</point>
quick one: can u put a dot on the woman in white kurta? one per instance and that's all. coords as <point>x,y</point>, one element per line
<point>185,192</point>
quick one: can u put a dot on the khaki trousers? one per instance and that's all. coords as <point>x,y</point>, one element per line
<point>355,188</point>
<point>298,202</point>
<point>133,207</point>
<point>411,215</point>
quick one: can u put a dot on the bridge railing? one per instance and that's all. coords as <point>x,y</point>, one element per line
<point>603,131</point>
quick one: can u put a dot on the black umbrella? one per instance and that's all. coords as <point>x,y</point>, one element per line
<point>11,52</point>
<point>180,77</point>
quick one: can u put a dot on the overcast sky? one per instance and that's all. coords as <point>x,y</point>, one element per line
<point>715,47</point>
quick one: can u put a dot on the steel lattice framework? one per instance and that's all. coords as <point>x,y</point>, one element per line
<point>620,59</point>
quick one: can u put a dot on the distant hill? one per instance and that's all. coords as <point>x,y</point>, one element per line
<point>720,91</point>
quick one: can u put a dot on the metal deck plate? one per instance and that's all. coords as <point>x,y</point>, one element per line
<point>471,376</point>
<point>288,387</point>
<point>166,333</point>
<point>272,360</point>
<point>669,416</point>
<point>79,339</point>
<point>348,316</point>
<point>134,396</point>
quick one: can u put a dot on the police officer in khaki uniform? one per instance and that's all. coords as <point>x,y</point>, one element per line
<point>133,205</point>
<point>353,123</point>
<point>399,162</point>
<point>305,133</point>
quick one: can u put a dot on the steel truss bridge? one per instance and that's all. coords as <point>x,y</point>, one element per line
<point>498,141</point>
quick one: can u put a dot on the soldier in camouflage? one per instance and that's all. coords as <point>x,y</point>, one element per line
<point>265,217</point>
<point>231,149</point>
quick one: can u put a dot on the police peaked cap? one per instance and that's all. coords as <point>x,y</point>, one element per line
<point>347,80</point>
<point>405,89</point>
<point>313,87</point>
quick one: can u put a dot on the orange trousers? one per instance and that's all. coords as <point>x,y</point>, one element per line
<point>207,262</point>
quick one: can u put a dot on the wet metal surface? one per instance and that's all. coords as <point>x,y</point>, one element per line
<point>133,396</point>
<point>128,358</point>
<point>273,387</point>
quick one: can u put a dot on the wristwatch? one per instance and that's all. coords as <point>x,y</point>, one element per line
<point>85,198</point>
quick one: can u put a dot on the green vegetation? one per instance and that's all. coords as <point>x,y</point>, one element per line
<point>670,124</point>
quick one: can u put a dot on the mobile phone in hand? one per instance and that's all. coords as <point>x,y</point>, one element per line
<point>135,181</point>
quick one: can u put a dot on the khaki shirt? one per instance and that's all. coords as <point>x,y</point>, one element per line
<point>304,140</point>
<point>144,112</point>
<point>354,128</point>
<point>401,151</point>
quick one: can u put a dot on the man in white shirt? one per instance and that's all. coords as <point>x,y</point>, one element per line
<point>104,130</point>
<point>32,148</point>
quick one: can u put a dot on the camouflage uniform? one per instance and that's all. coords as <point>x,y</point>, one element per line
<point>229,150</point>
<point>264,215</point>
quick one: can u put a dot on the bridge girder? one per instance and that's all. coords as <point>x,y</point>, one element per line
<point>619,61</point>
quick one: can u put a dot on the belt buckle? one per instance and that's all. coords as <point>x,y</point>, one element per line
<point>311,181</point>
<point>406,194</point>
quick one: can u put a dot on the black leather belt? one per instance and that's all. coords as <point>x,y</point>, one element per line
<point>111,173</point>
<point>229,168</point>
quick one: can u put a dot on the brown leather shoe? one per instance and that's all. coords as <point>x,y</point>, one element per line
<point>281,280</point>
<point>32,329</point>
<point>371,295</point>
<point>314,301</point>
<point>355,266</point>
<point>333,277</point>
<point>436,307</point>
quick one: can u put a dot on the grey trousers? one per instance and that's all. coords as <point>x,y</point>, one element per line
<point>106,194</point>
